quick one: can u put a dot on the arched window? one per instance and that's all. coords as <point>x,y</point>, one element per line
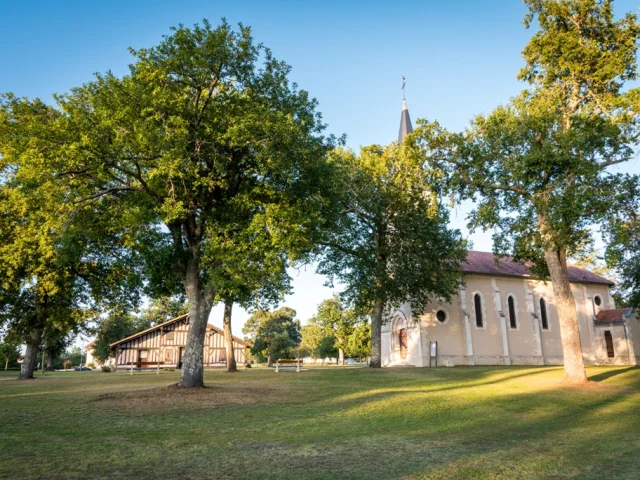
<point>477,302</point>
<point>512,312</point>
<point>543,314</point>
<point>402,342</point>
<point>441,315</point>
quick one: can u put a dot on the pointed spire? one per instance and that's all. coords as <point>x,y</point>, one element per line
<point>405,123</point>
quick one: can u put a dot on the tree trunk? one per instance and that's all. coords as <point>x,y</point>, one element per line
<point>341,357</point>
<point>228,337</point>
<point>269,361</point>
<point>376,335</point>
<point>6,364</point>
<point>192,375</point>
<point>568,316</point>
<point>31,354</point>
<point>50,367</point>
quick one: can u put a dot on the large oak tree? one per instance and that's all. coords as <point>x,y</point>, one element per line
<point>205,128</point>
<point>540,166</point>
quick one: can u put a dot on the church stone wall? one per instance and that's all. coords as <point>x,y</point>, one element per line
<point>496,342</point>
<point>487,340</point>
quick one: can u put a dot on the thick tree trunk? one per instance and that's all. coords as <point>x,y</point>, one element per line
<point>228,337</point>
<point>199,308</point>
<point>31,354</point>
<point>50,367</point>
<point>269,361</point>
<point>341,357</point>
<point>376,335</point>
<point>568,316</point>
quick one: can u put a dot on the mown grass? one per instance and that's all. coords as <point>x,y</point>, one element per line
<point>323,423</point>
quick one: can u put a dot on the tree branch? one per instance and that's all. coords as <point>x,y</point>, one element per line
<point>108,191</point>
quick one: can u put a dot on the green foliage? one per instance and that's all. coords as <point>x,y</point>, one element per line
<point>390,244</point>
<point>61,262</point>
<point>116,327</point>
<point>391,238</point>
<point>327,348</point>
<point>359,342</point>
<point>334,320</point>
<point>210,161</point>
<point>9,354</point>
<point>278,329</point>
<point>281,347</point>
<point>163,309</point>
<point>538,166</point>
<point>75,355</point>
<point>312,335</point>
<point>623,249</point>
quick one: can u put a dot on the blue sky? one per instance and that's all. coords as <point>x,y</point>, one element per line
<point>460,58</point>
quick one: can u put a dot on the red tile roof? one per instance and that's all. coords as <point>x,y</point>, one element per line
<point>485,262</point>
<point>90,345</point>
<point>605,317</point>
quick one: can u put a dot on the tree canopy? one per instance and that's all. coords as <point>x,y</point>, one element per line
<point>390,244</point>
<point>202,149</point>
<point>61,262</point>
<point>274,334</point>
<point>539,166</point>
<point>336,321</point>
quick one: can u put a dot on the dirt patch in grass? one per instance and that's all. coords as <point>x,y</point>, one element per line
<point>174,398</point>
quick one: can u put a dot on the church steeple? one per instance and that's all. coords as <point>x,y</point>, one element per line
<point>405,123</point>
<point>405,120</point>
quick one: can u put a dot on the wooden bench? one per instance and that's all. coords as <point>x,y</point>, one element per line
<point>288,363</point>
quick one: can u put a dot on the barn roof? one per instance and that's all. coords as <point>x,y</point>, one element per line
<point>221,332</point>
<point>156,327</point>
<point>485,263</point>
<point>616,316</point>
<point>169,322</point>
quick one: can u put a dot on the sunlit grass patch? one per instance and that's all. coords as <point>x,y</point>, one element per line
<point>324,423</point>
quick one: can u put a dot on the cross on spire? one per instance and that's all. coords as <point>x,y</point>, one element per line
<point>405,120</point>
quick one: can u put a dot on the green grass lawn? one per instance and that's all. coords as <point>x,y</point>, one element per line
<point>501,422</point>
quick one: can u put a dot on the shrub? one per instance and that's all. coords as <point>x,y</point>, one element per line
<point>67,364</point>
<point>248,365</point>
<point>106,369</point>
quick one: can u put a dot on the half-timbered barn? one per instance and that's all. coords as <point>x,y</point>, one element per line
<point>163,345</point>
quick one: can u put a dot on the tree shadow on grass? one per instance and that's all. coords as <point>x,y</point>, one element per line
<point>563,431</point>
<point>601,377</point>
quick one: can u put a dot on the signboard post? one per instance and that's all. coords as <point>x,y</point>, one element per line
<point>433,353</point>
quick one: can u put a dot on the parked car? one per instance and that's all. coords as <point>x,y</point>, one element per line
<point>82,369</point>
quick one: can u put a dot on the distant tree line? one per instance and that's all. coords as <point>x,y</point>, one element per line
<point>333,332</point>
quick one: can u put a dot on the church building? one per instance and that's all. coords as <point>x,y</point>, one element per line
<point>502,315</point>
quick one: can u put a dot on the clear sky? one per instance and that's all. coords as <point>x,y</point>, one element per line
<point>460,58</point>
